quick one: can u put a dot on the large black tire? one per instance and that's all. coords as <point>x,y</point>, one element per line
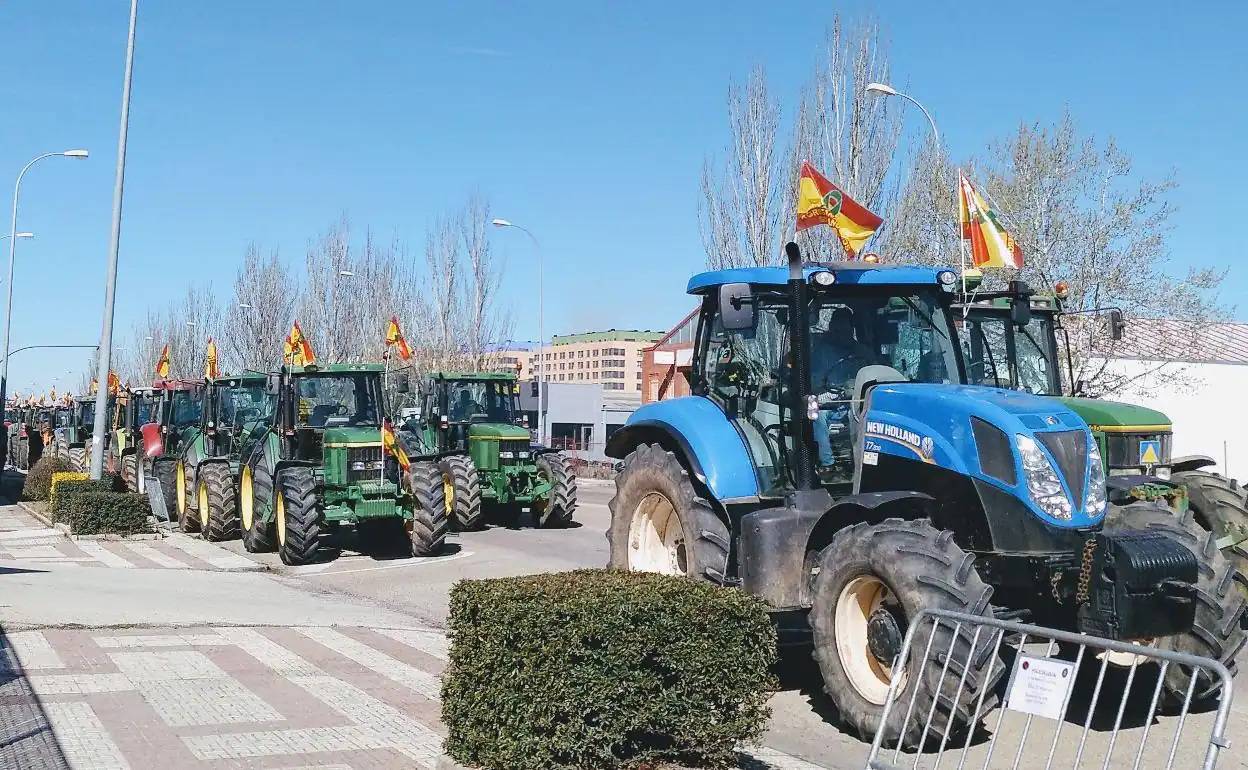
<point>130,472</point>
<point>1220,506</point>
<point>1217,632</point>
<point>215,502</point>
<point>166,471</point>
<point>299,517</point>
<point>653,493</point>
<point>461,472</point>
<point>430,521</point>
<point>255,494</point>
<point>78,459</point>
<point>183,491</point>
<point>562,502</point>
<point>908,566</point>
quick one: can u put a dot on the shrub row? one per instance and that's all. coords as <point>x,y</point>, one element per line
<point>66,484</point>
<point>38,484</point>
<point>102,511</point>
<point>604,669</point>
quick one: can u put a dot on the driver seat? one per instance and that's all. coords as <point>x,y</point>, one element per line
<point>866,379</point>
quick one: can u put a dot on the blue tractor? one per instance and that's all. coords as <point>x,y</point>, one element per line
<point>832,462</point>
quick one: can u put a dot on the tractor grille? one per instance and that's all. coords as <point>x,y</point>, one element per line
<point>370,456</point>
<point>1070,449</point>
<point>1124,448</point>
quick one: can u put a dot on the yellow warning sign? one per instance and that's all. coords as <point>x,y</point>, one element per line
<point>1150,452</point>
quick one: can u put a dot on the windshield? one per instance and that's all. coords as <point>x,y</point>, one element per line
<point>87,412</point>
<point>333,400</point>
<point>481,401</point>
<point>144,409</point>
<point>243,404</point>
<point>186,409</point>
<point>1001,354</point>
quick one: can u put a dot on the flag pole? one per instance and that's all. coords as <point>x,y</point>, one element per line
<point>958,194</point>
<point>381,407</point>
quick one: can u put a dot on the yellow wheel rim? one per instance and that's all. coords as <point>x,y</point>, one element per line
<point>203,505</point>
<point>279,510</point>
<point>448,491</point>
<point>244,499</point>
<point>181,488</point>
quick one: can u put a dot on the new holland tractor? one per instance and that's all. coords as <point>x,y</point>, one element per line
<point>472,424</point>
<point>833,463</point>
<point>135,408</point>
<point>175,424</point>
<point>207,471</point>
<point>1010,340</point>
<point>318,464</point>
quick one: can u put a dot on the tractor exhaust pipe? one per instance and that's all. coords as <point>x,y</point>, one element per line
<point>799,373</point>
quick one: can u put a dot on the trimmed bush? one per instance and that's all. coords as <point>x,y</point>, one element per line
<point>38,483</point>
<point>64,490</point>
<point>59,478</point>
<point>604,669</point>
<point>96,512</point>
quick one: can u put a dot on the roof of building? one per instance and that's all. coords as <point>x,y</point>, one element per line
<point>1151,339</point>
<point>610,335</point>
<point>509,346</point>
<point>853,273</point>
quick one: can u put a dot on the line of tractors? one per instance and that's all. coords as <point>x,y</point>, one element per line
<point>300,459</point>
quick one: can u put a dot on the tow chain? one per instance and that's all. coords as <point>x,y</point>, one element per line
<point>1085,571</point>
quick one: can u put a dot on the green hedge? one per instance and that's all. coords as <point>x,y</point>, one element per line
<point>604,669</point>
<point>66,489</point>
<point>38,483</point>
<point>95,512</point>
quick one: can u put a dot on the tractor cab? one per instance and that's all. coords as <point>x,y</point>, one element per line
<point>232,406</point>
<point>460,408</point>
<point>338,405</point>
<point>177,414</point>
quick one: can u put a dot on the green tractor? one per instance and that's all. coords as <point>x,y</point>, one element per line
<point>73,436</point>
<point>25,437</point>
<point>175,424</point>
<point>318,464</point>
<point>1010,341</point>
<point>134,408</point>
<point>206,474</point>
<point>471,423</point>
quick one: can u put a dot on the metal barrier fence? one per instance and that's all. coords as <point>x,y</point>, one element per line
<point>1042,685</point>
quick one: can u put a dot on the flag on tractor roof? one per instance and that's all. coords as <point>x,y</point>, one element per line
<point>114,382</point>
<point>296,350</point>
<point>392,445</point>
<point>162,364</point>
<point>396,340</point>
<point>819,202</point>
<point>990,244</point>
<point>210,361</point>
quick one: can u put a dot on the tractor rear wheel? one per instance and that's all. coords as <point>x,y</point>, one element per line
<point>659,522</point>
<point>217,507</point>
<point>255,489</point>
<point>432,494</point>
<point>1217,632</point>
<point>188,520</point>
<point>465,501</point>
<point>129,472</point>
<point>873,580</point>
<point>298,516</point>
<point>78,459</point>
<point>1221,506</point>
<point>561,504</point>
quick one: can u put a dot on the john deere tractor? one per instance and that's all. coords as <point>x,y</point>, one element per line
<point>73,437</point>
<point>317,464</point>
<point>207,472</point>
<point>1010,340</point>
<point>833,463</point>
<point>135,408</point>
<point>471,423</point>
<point>176,424</point>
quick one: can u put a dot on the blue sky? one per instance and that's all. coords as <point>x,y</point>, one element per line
<point>588,122</point>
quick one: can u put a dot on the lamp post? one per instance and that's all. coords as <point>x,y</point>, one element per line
<point>105,361</point>
<point>886,90</point>
<point>541,333</point>
<point>17,235</point>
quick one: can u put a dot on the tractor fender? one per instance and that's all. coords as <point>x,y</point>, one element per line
<point>698,432</point>
<point>1191,463</point>
<point>153,441</point>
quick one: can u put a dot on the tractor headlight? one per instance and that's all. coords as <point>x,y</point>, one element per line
<point>376,465</point>
<point>1095,496</point>
<point>358,465</point>
<point>824,278</point>
<point>506,455</point>
<point>522,455</point>
<point>1042,481</point>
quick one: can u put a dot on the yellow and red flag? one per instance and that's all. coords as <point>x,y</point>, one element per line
<point>95,386</point>
<point>296,350</point>
<point>819,202</point>
<point>210,361</point>
<point>390,442</point>
<point>396,340</point>
<point>990,244</point>
<point>114,382</point>
<point>162,364</point>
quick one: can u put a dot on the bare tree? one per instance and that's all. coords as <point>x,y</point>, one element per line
<point>487,323</point>
<point>260,313</point>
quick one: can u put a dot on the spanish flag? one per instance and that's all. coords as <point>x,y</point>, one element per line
<point>391,444</point>
<point>396,340</point>
<point>991,245</point>
<point>819,202</point>
<point>114,383</point>
<point>296,350</point>
<point>210,361</point>
<point>162,364</point>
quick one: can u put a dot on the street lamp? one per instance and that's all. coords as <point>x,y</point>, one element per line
<point>13,236</point>
<point>244,306</point>
<point>541,332</point>
<point>884,89</point>
<point>17,235</point>
<point>345,273</point>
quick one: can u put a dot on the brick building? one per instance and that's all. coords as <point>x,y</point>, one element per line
<point>665,364</point>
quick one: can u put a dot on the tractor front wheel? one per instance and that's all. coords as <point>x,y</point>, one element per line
<point>218,510</point>
<point>460,472</point>
<point>1221,506</point>
<point>555,468</point>
<point>130,472</point>
<point>255,488</point>
<point>298,516</point>
<point>659,523</point>
<point>872,581</point>
<point>1217,632</point>
<point>188,521</point>
<point>78,459</point>
<point>428,485</point>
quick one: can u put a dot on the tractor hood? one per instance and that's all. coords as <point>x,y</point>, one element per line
<point>1102,414</point>
<point>498,431</point>
<point>346,436</point>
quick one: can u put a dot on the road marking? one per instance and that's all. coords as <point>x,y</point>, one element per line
<point>393,669</point>
<point>103,555</point>
<point>154,640</point>
<point>33,650</point>
<point>432,643</point>
<point>207,552</point>
<point>82,737</point>
<point>151,554</point>
<point>318,569</point>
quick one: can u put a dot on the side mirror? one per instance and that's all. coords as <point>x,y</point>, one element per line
<point>273,384</point>
<point>736,307</point>
<point>401,384</point>
<point>1080,388</point>
<point>1020,310</point>
<point>1117,324</point>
